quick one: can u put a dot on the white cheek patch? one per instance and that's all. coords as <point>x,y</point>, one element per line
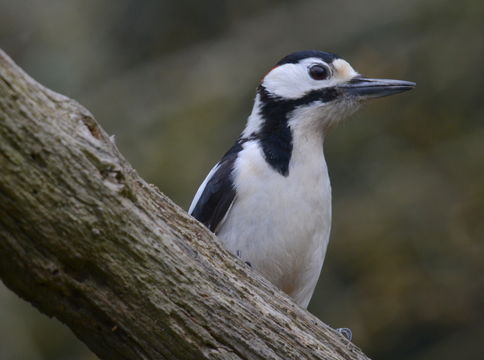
<point>292,81</point>
<point>288,81</point>
<point>343,70</point>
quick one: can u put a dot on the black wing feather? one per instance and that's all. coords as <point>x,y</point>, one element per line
<point>219,192</point>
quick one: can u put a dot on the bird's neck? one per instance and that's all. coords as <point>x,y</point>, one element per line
<point>283,131</point>
<point>308,139</point>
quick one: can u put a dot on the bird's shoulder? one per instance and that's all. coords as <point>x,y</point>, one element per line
<point>217,192</point>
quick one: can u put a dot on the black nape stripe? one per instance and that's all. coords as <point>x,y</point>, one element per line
<point>295,57</point>
<point>275,135</point>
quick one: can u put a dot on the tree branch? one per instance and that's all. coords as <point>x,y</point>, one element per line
<point>85,239</point>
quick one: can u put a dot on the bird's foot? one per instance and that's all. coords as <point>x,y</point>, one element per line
<point>346,332</point>
<point>238,253</point>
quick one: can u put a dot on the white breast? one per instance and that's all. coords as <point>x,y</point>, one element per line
<point>280,224</point>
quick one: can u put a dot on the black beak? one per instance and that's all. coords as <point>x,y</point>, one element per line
<point>364,88</point>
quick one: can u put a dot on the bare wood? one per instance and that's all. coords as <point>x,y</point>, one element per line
<point>85,239</point>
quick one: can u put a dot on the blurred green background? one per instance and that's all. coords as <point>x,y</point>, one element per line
<point>174,81</point>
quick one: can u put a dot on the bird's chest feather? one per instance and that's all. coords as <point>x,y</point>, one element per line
<point>280,223</point>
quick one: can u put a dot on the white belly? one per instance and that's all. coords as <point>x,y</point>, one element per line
<point>280,224</point>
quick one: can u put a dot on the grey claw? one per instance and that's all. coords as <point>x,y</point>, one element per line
<point>346,332</point>
<point>239,255</point>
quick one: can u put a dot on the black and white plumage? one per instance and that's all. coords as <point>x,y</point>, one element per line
<point>269,198</point>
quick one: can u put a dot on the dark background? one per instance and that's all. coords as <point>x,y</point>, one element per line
<point>175,80</point>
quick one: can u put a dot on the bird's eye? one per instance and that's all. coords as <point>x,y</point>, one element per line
<point>319,72</point>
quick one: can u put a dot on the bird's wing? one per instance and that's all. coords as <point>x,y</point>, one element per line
<point>214,198</point>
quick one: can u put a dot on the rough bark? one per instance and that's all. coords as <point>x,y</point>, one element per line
<point>85,239</point>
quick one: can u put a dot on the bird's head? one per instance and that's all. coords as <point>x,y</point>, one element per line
<point>318,88</point>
